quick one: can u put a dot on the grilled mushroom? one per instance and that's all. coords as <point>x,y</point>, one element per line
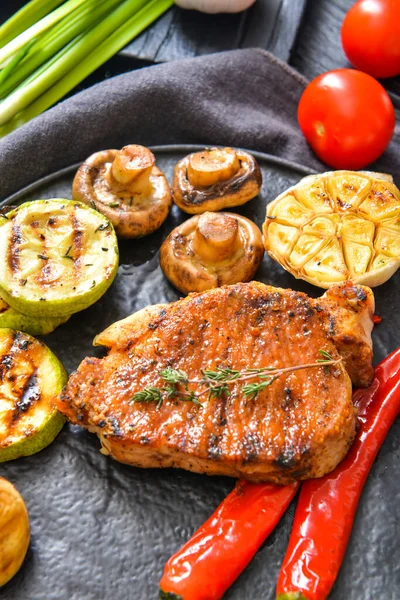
<point>127,187</point>
<point>211,250</point>
<point>214,179</point>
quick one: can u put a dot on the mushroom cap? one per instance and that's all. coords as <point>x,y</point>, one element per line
<point>211,250</point>
<point>132,215</point>
<point>244,185</point>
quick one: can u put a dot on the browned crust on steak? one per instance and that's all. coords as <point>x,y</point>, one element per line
<point>299,427</point>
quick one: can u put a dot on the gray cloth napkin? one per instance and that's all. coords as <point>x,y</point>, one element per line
<point>244,98</point>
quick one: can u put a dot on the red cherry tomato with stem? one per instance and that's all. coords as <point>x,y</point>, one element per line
<point>371,37</point>
<point>347,118</point>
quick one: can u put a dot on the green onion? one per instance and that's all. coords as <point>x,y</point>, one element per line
<point>27,16</point>
<point>77,51</point>
<point>14,63</point>
<point>44,48</point>
<point>54,17</point>
<point>54,55</point>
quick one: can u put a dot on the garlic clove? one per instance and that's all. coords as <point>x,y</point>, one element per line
<point>215,6</point>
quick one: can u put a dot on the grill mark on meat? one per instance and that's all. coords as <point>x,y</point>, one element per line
<point>278,435</point>
<point>213,450</point>
<point>114,427</point>
<point>252,447</point>
<point>332,326</point>
<point>287,458</point>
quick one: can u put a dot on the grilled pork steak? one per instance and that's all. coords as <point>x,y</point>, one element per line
<point>299,427</point>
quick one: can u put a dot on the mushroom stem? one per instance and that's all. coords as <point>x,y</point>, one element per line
<point>131,169</point>
<point>216,236</point>
<point>212,166</point>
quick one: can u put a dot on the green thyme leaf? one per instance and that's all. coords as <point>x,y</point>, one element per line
<point>326,356</point>
<point>174,375</point>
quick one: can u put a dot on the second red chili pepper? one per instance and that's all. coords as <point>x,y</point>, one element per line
<point>214,557</point>
<point>326,507</point>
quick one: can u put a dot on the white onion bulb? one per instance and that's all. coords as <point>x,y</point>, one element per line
<point>215,6</point>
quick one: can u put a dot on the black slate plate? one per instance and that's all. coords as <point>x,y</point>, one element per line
<point>102,529</point>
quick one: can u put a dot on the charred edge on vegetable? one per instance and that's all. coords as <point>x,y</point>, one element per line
<point>16,240</point>
<point>77,235</point>
<point>30,395</point>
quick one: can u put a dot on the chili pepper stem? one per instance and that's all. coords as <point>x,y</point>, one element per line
<point>168,596</point>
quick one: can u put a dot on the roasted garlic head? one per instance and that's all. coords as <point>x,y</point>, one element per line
<point>127,187</point>
<point>214,179</point>
<point>211,250</point>
<point>337,226</point>
<point>14,531</point>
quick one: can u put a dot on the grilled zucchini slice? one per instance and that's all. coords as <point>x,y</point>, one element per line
<point>57,257</point>
<point>30,378</point>
<point>14,531</point>
<point>12,319</point>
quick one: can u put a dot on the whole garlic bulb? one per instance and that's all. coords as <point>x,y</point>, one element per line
<point>215,6</point>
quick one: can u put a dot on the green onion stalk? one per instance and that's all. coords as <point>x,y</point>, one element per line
<point>39,72</point>
<point>40,50</point>
<point>27,16</point>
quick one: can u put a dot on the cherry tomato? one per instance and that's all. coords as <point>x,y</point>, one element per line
<point>347,118</point>
<point>371,37</point>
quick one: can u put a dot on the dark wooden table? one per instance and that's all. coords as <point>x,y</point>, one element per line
<point>305,33</point>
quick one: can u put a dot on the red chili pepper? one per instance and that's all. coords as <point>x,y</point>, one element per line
<point>377,319</point>
<point>326,508</point>
<point>214,557</point>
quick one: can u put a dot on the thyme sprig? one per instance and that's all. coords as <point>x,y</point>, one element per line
<point>215,383</point>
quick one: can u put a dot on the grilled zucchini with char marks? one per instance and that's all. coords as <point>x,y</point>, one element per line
<point>13,319</point>
<point>57,257</point>
<point>30,378</point>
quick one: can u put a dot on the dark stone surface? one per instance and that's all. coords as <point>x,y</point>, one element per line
<point>102,529</point>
